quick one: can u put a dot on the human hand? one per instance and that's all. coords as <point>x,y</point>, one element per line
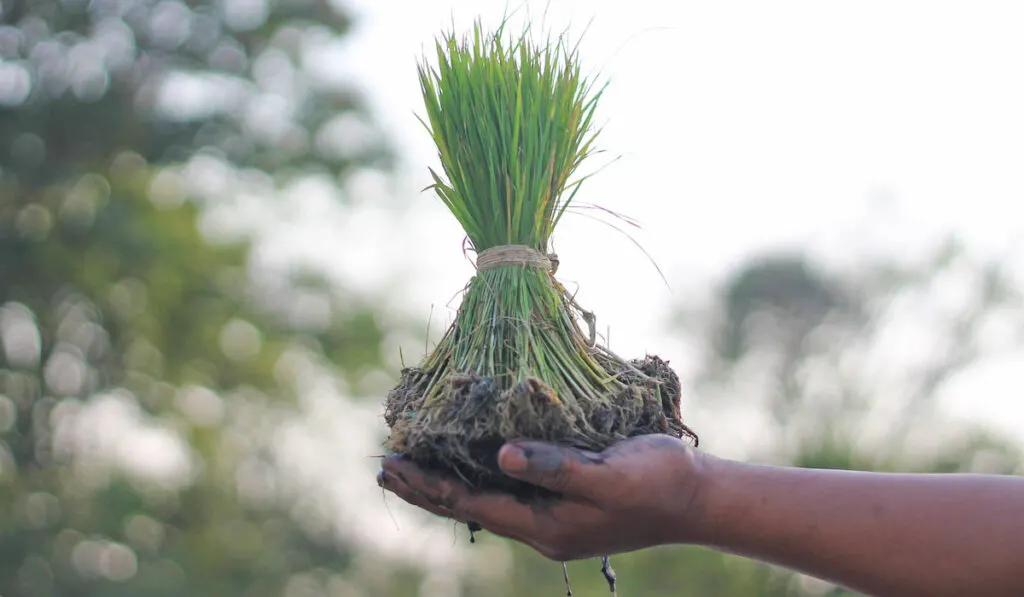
<point>638,493</point>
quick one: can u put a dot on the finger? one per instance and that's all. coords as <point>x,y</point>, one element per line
<point>416,498</point>
<point>499,513</point>
<point>437,489</point>
<point>558,468</point>
<point>557,529</point>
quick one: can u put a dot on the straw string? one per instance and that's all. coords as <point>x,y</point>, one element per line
<point>515,255</point>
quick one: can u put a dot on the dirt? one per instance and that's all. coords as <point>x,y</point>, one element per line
<point>461,431</point>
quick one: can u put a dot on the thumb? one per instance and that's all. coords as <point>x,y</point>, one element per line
<point>558,468</point>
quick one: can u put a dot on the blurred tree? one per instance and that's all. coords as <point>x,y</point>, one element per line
<point>251,79</point>
<point>842,368</point>
<point>142,370</point>
<point>119,318</point>
<point>849,365</point>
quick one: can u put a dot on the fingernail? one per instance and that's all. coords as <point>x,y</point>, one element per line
<point>381,478</point>
<point>513,459</point>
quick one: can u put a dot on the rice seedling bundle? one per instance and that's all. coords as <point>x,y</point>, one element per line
<point>513,120</point>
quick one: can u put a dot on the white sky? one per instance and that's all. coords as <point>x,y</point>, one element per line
<point>741,126</point>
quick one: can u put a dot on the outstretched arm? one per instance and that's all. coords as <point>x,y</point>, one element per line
<point>882,534</point>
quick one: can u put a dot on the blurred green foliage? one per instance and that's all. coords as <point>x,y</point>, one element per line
<point>141,368</point>
<point>135,305</point>
<point>248,79</point>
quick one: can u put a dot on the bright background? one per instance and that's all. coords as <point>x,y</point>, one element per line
<point>834,188</point>
<point>850,130</point>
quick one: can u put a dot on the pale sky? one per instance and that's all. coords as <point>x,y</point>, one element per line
<point>741,126</point>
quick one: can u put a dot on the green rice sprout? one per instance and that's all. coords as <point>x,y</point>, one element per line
<point>513,121</point>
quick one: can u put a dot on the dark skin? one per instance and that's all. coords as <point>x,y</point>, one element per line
<point>887,535</point>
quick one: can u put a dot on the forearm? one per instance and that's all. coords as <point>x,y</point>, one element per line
<point>882,534</point>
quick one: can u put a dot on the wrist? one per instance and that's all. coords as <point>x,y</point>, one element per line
<point>704,517</point>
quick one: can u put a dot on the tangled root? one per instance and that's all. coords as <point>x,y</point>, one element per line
<point>461,430</point>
